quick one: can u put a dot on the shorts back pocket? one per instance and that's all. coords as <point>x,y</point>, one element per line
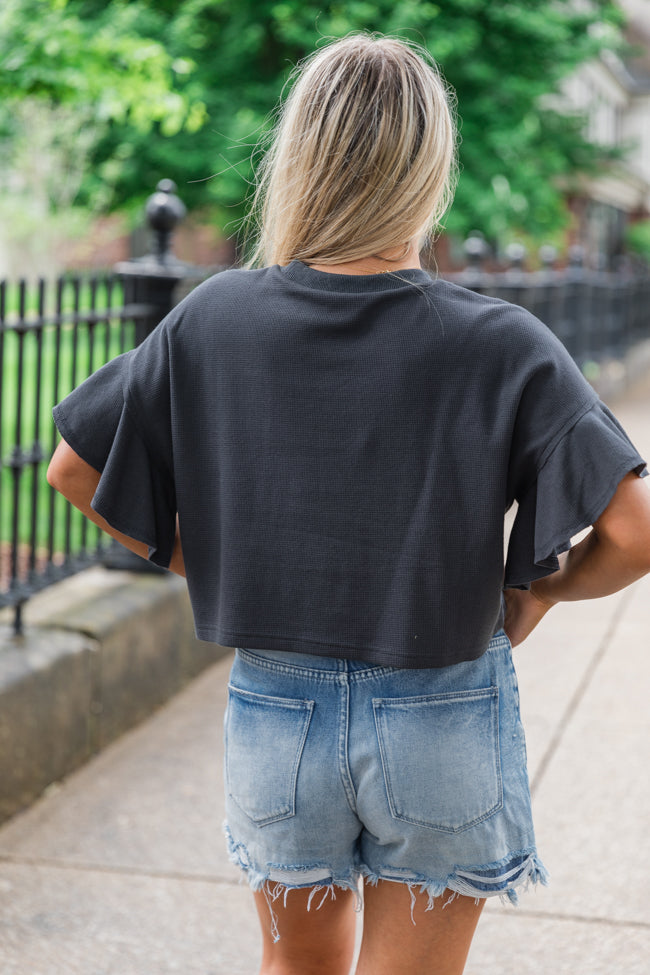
<point>265,737</point>
<point>440,757</point>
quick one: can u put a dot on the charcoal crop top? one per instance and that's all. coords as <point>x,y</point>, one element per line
<point>341,451</point>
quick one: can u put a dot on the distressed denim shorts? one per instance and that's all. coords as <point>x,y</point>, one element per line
<point>337,770</point>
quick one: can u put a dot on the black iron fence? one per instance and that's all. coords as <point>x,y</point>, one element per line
<point>598,315</point>
<point>51,338</point>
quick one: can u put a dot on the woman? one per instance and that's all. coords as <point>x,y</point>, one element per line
<point>336,437</point>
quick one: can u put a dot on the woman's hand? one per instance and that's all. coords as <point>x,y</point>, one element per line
<point>524,610</point>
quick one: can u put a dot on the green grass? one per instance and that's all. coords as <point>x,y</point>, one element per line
<point>67,355</point>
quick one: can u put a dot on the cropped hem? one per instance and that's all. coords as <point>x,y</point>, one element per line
<point>382,656</point>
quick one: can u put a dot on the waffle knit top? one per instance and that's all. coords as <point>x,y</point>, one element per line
<point>341,451</point>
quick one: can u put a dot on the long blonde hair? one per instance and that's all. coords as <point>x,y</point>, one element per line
<point>362,159</point>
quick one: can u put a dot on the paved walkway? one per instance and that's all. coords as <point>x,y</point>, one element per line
<point>121,870</point>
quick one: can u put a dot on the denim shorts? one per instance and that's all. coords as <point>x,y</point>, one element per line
<point>337,770</point>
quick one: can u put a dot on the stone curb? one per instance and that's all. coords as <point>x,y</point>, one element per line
<point>97,657</point>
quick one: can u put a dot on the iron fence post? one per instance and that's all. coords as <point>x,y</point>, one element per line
<point>153,282</point>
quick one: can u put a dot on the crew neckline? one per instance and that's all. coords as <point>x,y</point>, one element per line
<point>355,283</point>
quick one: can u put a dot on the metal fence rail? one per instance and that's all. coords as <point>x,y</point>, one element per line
<point>51,338</point>
<point>597,315</point>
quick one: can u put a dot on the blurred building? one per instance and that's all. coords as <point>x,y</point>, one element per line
<point>614,94</point>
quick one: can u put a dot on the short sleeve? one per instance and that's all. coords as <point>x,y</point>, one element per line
<point>576,482</point>
<point>119,422</point>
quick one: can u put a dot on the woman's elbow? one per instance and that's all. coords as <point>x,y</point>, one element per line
<point>636,554</point>
<point>62,469</point>
<point>641,554</point>
<point>55,473</point>
<point>71,476</point>
<point>625,524</point>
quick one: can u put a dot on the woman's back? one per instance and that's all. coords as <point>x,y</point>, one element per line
<point>341,450</point>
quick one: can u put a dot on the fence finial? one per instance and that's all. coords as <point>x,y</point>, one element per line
<point>548,256</point>
<point>164,210</point>
<point>475,249</point>
<point>576,256</point>
<point>516,254</point>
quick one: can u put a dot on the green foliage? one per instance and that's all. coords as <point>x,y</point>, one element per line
<point>48,50</point>
<point>187,89</point>
<point>637,238</point>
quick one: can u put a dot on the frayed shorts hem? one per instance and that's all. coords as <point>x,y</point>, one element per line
<point>515,873</point>
<point>504,879</point>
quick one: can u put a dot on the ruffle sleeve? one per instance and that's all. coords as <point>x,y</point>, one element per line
<point>118,421</point>
<point>575,484</point>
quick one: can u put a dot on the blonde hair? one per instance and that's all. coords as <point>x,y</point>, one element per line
<point>362,159</point>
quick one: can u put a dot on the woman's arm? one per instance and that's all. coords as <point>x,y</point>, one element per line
<point>614,554</point>
<point>77,481</point>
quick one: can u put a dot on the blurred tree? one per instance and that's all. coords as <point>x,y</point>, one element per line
<point>186,88</point>
<point>62,53</point>
<point>638,239</point>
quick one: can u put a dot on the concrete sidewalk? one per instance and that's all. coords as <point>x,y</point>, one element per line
<point>121,870</point>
